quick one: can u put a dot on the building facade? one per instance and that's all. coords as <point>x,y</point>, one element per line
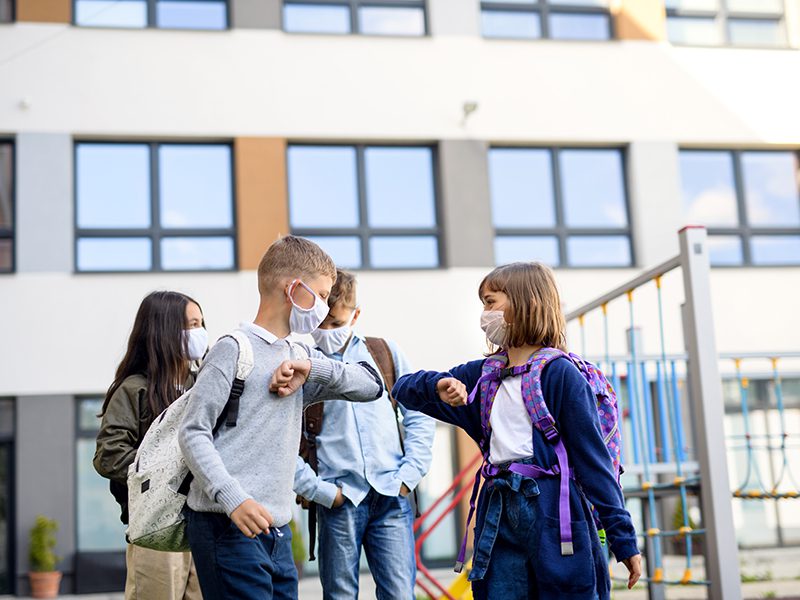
<point>153,144</point>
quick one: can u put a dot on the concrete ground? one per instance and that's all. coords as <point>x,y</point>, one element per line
<point>772,573</point>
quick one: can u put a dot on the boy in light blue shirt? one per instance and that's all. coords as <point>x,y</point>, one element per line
<point>365,471</point>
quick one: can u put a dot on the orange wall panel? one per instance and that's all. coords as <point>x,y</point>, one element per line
<point>44,11</point>
<point>261,196</point>
<point>640,20</point>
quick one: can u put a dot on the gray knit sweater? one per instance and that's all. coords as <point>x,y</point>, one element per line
<point>256,459</point>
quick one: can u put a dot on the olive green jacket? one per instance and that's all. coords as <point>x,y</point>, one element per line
<point>126,420</point>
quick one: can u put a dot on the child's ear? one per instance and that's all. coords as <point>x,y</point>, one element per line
<point>355,317</point>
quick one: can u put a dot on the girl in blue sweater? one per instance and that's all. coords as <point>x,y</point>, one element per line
<point>517,550</point>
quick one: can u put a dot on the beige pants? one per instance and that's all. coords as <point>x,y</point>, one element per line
<point>154,575</point>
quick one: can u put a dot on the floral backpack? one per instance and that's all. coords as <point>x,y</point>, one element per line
<point>494,371</point>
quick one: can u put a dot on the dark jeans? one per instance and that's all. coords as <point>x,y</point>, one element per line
<point>232,566</point>
<point>517,550</point>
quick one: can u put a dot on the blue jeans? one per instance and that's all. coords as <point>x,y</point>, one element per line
<point>233,566</point>
<point>518,553</point>
<point>383,525</point>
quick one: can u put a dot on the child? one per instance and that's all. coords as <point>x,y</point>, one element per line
<point>168,335</point>
<point>517,552</point>
<point>241,498</point>
<point>365,471</point>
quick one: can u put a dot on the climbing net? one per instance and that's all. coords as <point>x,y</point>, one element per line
<point>754,485</point>
<point>662,476</point>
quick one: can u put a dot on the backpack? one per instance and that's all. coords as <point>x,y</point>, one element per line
<point>312,426</point>
<point>494,371</point>
<point>159,479</point>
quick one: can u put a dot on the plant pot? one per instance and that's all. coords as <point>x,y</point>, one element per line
<point>45,585</point>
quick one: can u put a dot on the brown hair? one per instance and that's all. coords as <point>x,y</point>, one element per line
<point>292,256</point>
<point>344,290</point>
<point>534,303</point>
<point>157,349</point>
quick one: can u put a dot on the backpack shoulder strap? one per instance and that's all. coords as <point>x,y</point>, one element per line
<point>534,397</point>
<point>382,354</point>
<point>244,366</point>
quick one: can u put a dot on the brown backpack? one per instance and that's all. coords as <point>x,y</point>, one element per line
<point>312,426</point>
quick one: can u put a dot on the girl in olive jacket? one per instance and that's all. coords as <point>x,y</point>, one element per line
<point>168,336</point>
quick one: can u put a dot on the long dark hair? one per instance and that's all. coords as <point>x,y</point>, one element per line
<point>157,349</point>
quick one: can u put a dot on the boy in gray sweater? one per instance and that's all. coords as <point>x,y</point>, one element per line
<point>239,504</point>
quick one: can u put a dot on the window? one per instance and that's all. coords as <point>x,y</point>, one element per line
<point>565,207</point>
<point>167,14</point>
<point>372,17</point>
<point>6,207</point>
<point>720,22</point>
<point>154,207</point>
<point>99,527</point>
<point>750,202</point>
<point>367,206</point>
<point>554,19</point>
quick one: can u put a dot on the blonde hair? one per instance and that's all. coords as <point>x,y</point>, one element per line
<point>292,256</point>
<point>344,290</point>
<point>534,303</point>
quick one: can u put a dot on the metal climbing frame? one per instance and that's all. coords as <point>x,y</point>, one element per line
<point>655,452</point>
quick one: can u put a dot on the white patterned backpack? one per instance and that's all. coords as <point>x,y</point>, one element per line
<point>159,479</point>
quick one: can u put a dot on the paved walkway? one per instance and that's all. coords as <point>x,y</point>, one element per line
<point>779,568</point>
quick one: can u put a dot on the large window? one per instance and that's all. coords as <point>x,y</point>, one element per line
<point>372,17</point>
<point>367,206</point>
<point>98,526</point>
<point>720,22</point>
<point>554,19</point>
<point>6,207</point>
<point>154,207</point>
<point>168,14</point>
<point>565,207</point>
<point>750,202</point>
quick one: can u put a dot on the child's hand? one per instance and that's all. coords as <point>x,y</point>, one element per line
<point>289,377</point>
<point>251,518</point>
<point>634,566</point>
<point>452,391</point>
<point>339,500</point>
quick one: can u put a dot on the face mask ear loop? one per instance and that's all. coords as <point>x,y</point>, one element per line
<point>293,287</point>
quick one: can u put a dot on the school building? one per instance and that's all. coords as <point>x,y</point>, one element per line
<point>164,144</point>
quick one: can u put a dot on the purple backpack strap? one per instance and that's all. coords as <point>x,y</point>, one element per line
<point>544,422</point>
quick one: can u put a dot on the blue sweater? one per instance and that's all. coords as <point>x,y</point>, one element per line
<point>570,400</point>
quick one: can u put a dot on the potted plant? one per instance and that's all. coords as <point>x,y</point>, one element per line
<point>44,578</point>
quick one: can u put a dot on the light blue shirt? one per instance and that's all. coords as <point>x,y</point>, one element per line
<point>359,445</point>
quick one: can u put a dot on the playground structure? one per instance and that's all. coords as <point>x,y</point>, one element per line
<point>675,452</point>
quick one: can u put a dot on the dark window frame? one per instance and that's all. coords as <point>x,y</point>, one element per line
<point>155,232</point>
<point>363,231</point>
<point>561,231</point>
<point>353,6</point>
<point>10,233</point>
<point>10,441</point>
<point>744,231</point>
<point>721,18</point>
<point>151,19</point>
<point>546,8</point>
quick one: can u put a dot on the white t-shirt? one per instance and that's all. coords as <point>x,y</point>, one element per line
<point>512,431</point>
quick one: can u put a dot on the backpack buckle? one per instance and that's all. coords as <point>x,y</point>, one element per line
<point>550,432</point>
<point>506,372</point>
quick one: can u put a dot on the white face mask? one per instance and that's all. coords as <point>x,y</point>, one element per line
<point>331,341</point>
<point>196,340</point>
<point>494,326</point>
<point>305,320</point>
